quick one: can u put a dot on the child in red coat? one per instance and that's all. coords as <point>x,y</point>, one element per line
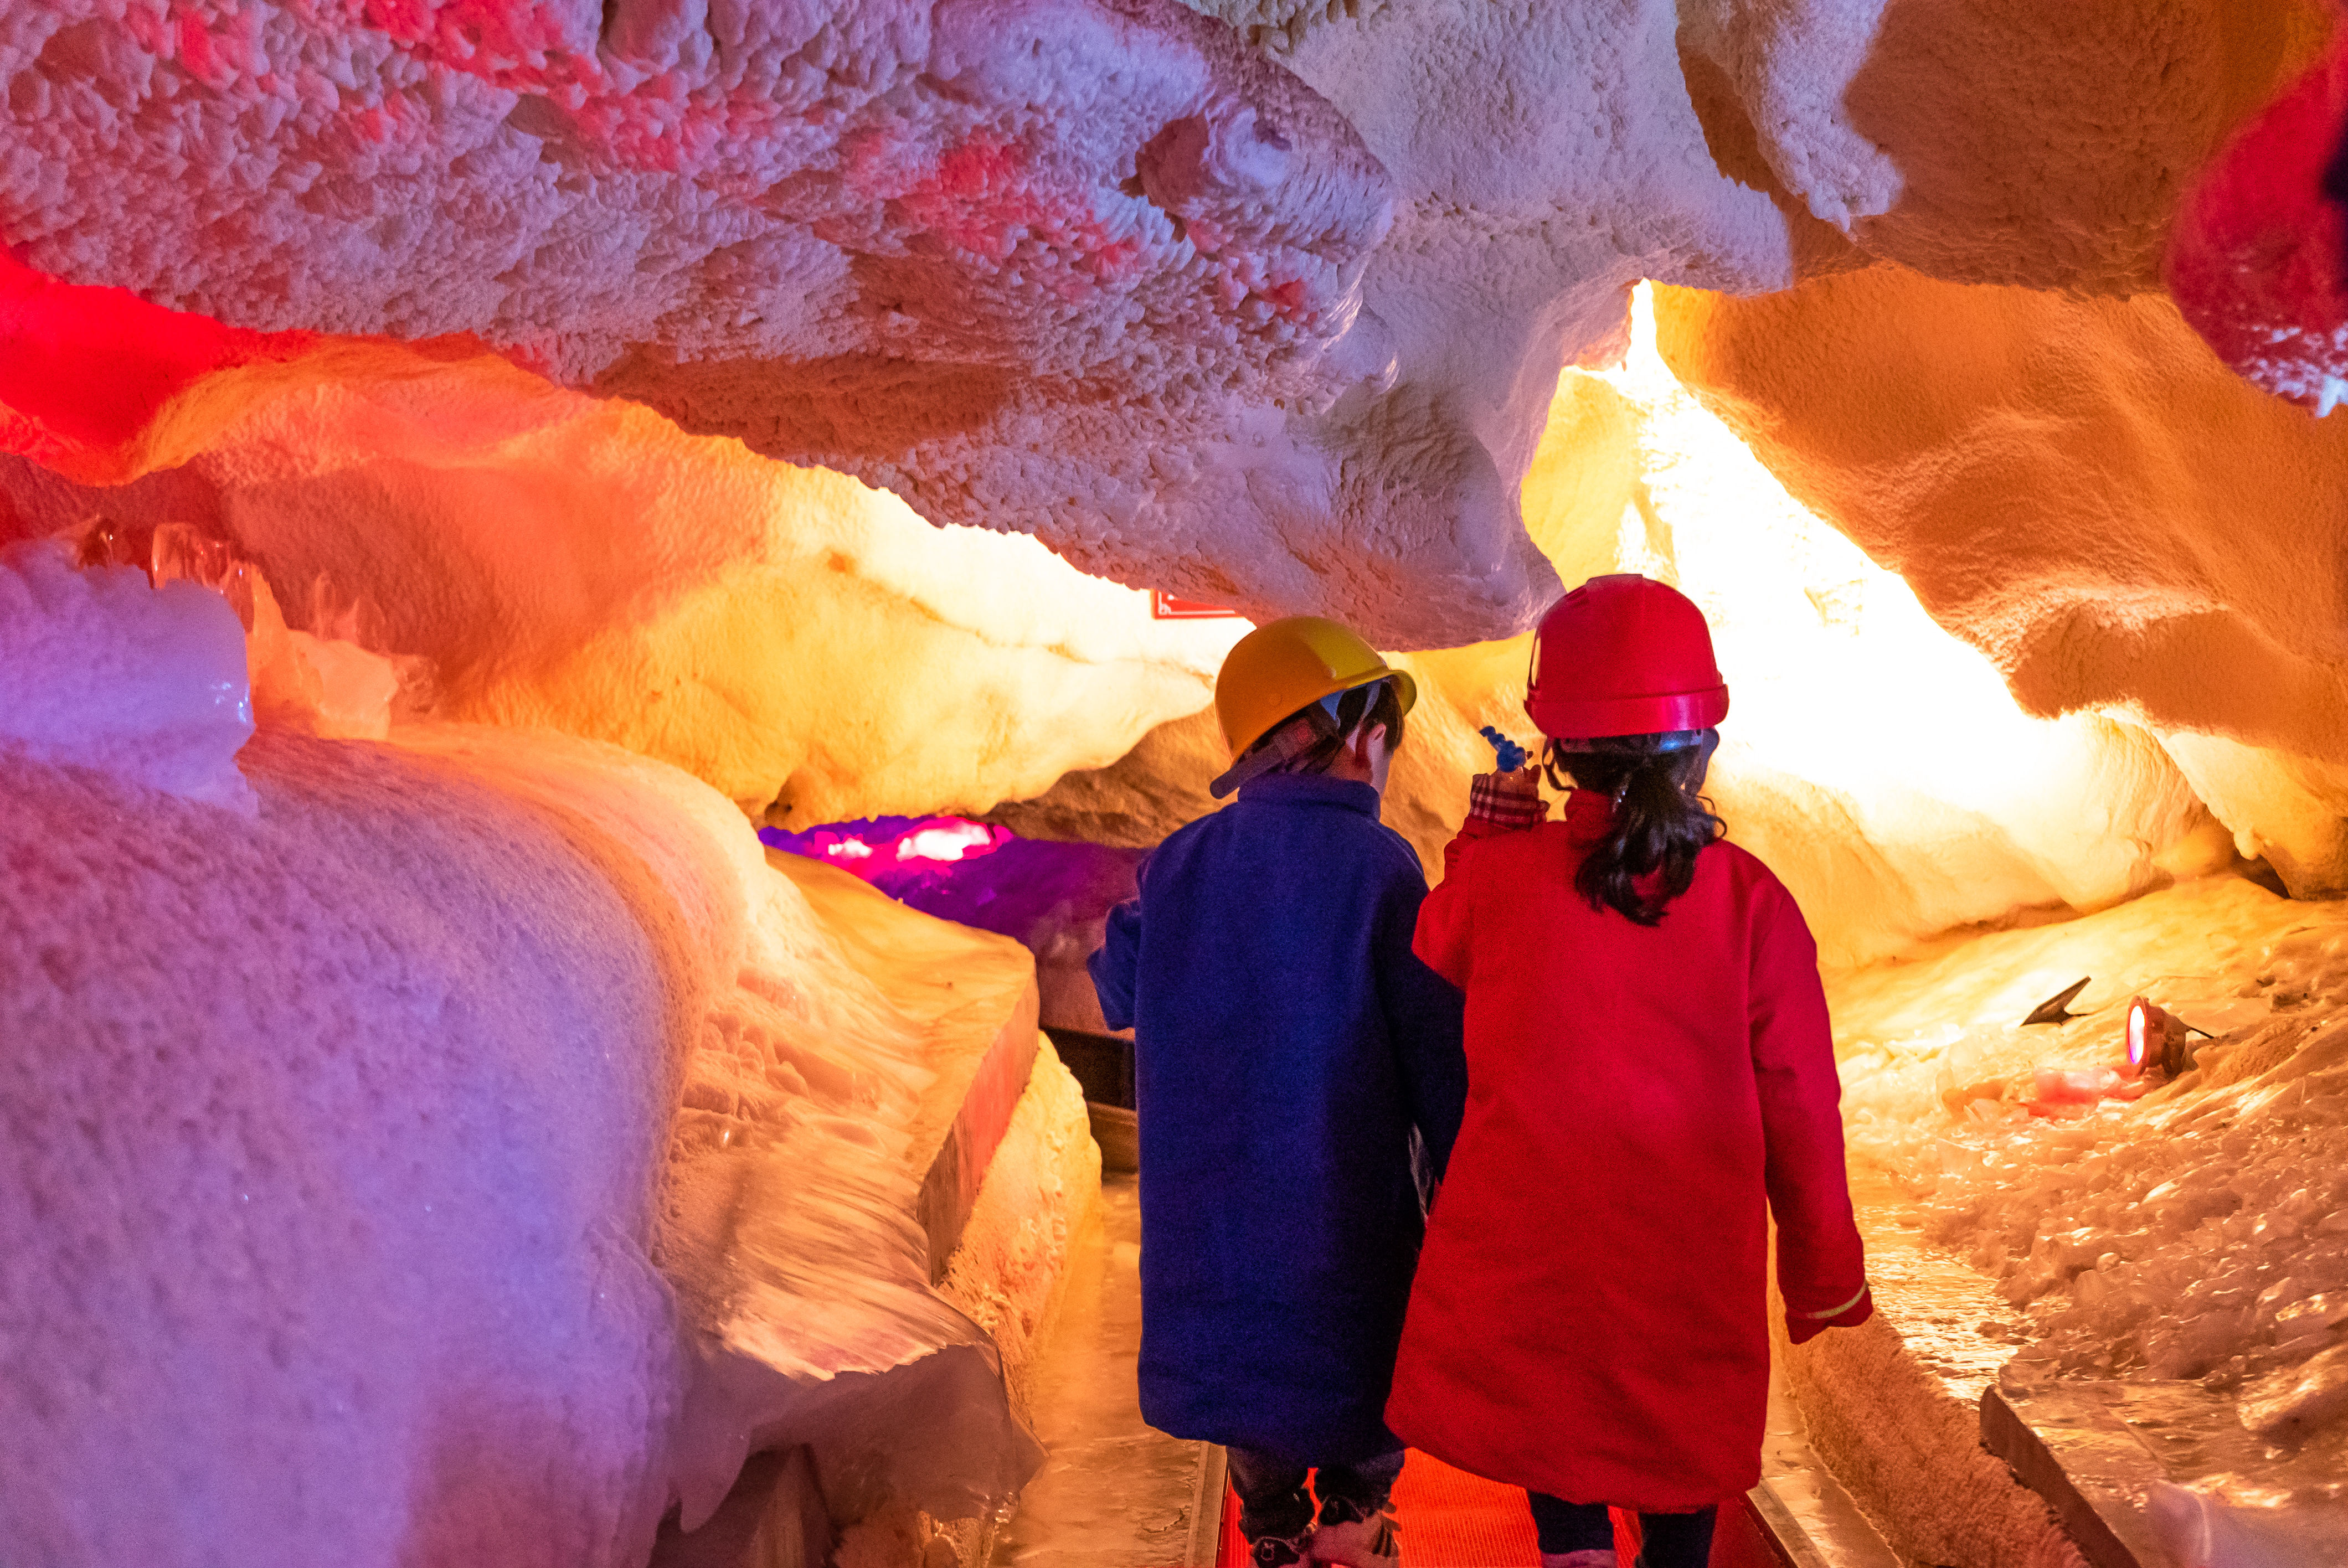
<point>1651,1076</point>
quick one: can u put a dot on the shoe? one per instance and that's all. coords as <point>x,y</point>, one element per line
<point>1599,1557</point>
<point>1355,1539</point>
<point>1280,1550</point>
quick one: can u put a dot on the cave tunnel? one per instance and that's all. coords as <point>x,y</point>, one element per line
<point>598,604</point>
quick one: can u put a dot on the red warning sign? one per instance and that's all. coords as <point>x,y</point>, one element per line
<point>1164,606</point>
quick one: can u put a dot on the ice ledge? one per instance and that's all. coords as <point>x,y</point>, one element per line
<point>2117,1461</point>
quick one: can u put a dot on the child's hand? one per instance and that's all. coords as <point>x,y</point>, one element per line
<point>1507,800</point>
<point>1511,756</point>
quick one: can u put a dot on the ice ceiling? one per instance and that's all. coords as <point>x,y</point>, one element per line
<point>1272,326</point>
<point>804,396</point>
<point>1270,314</point>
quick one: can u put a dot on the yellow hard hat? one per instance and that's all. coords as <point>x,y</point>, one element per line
<point>1279,668</point>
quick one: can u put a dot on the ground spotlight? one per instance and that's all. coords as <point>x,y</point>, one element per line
<point>2157,1038</point>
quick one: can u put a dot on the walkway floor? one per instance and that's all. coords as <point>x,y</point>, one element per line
<point>1114,1493</point>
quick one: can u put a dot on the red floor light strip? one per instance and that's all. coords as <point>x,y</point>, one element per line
<point>1453,1519</point>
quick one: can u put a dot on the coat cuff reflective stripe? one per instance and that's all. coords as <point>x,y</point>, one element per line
<point>1832,1311</point>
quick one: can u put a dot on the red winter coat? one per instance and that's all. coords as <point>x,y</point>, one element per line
<point>1589,1318</point>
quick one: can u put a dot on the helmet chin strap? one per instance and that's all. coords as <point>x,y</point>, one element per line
<point>1559,755</point>
<point>1665,743</point>
<point>1318,722</point>
<point>1284,745</point>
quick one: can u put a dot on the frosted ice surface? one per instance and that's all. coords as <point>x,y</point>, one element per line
<point>355,687</point>
<point>2238,1523</point>
<point>474,1154</point>
<point>2194,1243</point>
<point>100,670</point>
<point>326,1207</point>
<point>789,1233</point>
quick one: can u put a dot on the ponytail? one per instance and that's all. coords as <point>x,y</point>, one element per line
<point>1661,822</point>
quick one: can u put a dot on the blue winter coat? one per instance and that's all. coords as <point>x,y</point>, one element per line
<point>1286,1043</point>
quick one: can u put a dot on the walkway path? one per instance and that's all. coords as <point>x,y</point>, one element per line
<point>1116,1494</point>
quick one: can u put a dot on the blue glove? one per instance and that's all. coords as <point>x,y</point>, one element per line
<point>1511,755</point>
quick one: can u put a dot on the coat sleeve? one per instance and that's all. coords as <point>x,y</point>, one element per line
<point>1821,1264</point>
<point>1444,928</point>
<point>1423,1017</point>
<point>1473,828</point>
<point>1113,967</point>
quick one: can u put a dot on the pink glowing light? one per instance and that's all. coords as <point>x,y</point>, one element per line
<point>83,370</point>
<point>2063,1093</point>
<point>954,840</point>
<point>893,852</point>
<point>2255,261</point>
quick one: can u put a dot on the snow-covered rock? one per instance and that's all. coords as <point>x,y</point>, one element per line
<point>102,670</point>
<point>473,1150</point>
<point>2180,1256</point>
<point>540,557</point>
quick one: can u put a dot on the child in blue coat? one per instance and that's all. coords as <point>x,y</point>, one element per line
<point>1292,1057</point>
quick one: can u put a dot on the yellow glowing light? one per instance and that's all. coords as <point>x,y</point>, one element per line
<point>1838,671</point>
<point>1842,683</point>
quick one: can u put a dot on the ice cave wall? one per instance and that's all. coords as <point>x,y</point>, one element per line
<point>351,1205</point>
<point>1101,271</point>
<point>345,1254</point>
<point>806,644</point>
<point>1053,265</point>
<point>787,635</point>
<point>2081,490</point>
<point>557,561</point>
<point>516,302</point>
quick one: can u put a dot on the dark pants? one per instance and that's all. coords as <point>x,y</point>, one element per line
<point>1272,1502</point>
<point>1666,1539</point>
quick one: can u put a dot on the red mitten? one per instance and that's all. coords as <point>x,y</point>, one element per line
<point>1507,800</point>
<point>1804,1326</point>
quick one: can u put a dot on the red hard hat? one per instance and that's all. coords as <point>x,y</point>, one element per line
<point>1623,655</point>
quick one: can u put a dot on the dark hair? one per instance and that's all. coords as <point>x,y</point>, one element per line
<point>1661,822</point>
<point>1377,703</point>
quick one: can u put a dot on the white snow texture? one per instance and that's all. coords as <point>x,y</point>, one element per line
<point>334,1221</point>
<point>98,670</point>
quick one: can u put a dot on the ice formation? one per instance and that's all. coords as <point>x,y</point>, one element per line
<point>353,1205</point>
<point>106,671</point>
<point>1100,271</point>
<point>2189,1247</point>
<point>330,1209</point>
<point>2144,508</point>
<point>1850,703</point>
<point>552,560</point>
<point>455,342</point>
<point>973,251</point>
